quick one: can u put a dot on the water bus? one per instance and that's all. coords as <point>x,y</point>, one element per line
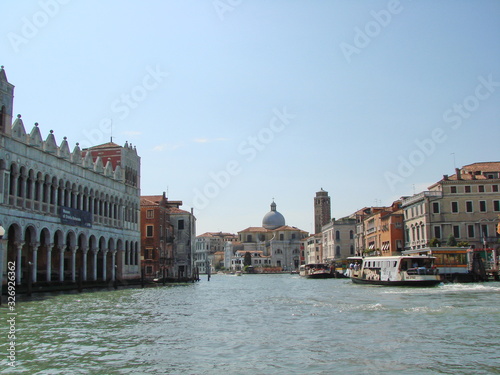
<point>397,271</point>
<point>316,271</point>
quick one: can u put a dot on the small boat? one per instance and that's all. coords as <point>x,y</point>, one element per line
<point>397,271</point>
<point>238,273</point>
<point>316,271</point>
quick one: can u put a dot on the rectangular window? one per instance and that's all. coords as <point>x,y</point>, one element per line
<point>149,231</point>
<point>469,207</point>
<point>454,207</point>
<point>453,189</point>
<point>149,214</point>
<point>494,188</point>
<point>180,224</point>
<point>482,206</point>
<point>435,207</point>
<point>484,230</point>
<point>467,189</point>
<point>437,231</point>
<point>470,231</point>
<point>456,231</point>
<point>149,270</point>
<point>480,188</point>
<point>496,206</point>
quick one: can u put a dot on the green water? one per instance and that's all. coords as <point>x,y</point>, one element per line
<point>259,324</point>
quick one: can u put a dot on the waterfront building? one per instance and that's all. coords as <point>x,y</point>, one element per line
<point>464,206</point>
<point>184,223</point>
<point>67,214</point>
<point>383,231</point>
<point>172,234</point>
<point>275,243</point>
<point>157,238</point>
<point>322,210</point>
<point>207,244</point>
<point>359,235</point>
<point>313,249</point>
<point>338,239</point>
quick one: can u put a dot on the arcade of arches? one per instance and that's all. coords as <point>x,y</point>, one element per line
<point>63,257</point>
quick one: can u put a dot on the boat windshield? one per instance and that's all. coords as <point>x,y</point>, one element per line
<point>317,266</point>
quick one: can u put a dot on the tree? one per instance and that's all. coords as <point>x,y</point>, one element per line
<point>247,260</point>
<point>434,242</point>
<point>451,241</point>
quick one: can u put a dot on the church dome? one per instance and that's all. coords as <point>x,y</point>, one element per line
<point>273,219</point>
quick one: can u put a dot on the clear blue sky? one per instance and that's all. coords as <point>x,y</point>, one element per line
<point>233,103</point>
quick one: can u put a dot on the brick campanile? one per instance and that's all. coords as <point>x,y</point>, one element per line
<point>322,210</point>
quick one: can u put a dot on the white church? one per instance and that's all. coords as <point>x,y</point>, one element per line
<point>273,245</point>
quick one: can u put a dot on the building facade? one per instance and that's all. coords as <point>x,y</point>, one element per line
<point>464,206</point>
<point>275,243</point>
<point>68,215</point>
<point>206,245</point>
<point>383,231</point>
<point>157,238</point>
<point>168,236</point>
<point>322,210</point>
<point>313,249</point>
<point>338,239</point>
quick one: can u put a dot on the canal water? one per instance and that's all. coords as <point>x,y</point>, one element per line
<point>259,324</point>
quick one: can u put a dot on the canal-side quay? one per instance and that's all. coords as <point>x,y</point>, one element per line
<point>264,324</point>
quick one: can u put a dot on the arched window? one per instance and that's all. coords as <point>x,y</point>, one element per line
<point>2,120</point>
<point>337,235</point>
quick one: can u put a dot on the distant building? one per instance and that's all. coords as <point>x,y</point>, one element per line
<point>383,231</point>
<point>322,210</point>
<point>157,238</point>
<point>184,223</point>
<point>67,214</point>
<point>168,239</point>
<point>274,244</point>
<point>207,244</point>
<point>465,205</point>
<point>313,249</point>
<point>338,239</point>
<point>360,246</point>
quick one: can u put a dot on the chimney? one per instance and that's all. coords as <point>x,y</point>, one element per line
<point>445,177</point>
<point>458,174</point>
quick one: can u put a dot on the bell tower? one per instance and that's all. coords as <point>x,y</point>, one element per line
<point>322,210</point>
<point>6,103</point>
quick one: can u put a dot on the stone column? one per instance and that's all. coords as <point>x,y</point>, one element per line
<point>113,262</point>
<point>49,262</point>
<point>104,255</point>
<point>35,262</point>
<point>18,262</point>
<point>73,263</point>
<point>94,274</point>
<point>84,263</point>
<point>61,262</point>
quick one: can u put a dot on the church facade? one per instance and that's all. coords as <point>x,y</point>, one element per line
<point>67,215</point>
<point>274,244</point>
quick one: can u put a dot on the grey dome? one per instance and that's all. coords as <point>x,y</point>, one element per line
<point>273,218</point>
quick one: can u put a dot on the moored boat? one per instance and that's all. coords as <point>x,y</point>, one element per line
<point>397,271</point>
<point>316,271</point>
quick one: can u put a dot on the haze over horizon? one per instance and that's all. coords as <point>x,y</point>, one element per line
<point>232,104</point>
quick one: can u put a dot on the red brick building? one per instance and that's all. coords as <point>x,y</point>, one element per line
<point>157,237</point>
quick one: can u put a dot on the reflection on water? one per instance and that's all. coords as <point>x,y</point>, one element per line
<point>262,324</point>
